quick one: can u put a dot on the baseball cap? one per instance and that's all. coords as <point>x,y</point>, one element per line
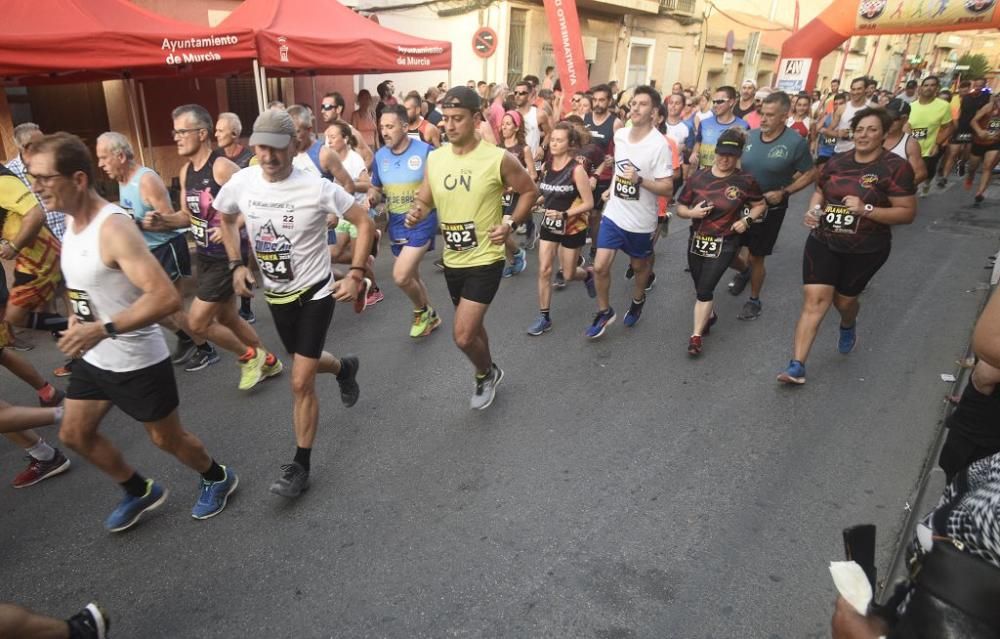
<point>462,98</point>
<point>912,84</point>
<point>898,108</point>
<point>273,128</point>
<point>729,146</point>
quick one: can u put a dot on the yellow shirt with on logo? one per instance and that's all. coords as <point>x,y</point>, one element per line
<point>466,191</point>
<point>926,120</point>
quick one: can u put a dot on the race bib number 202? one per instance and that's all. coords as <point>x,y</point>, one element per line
<point>459,236</point>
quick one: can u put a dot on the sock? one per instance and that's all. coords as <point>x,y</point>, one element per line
<point>41,451</point>
<point>482,376</point>
<point>135,485</point>
<point>182,336</point>
<point>249,355</point>
<point>245,304</point>
<point>206,347</point>
<point>420,311</point>
<point>302,457</point>
<point>270,359</point>
<point>47,322</point>
<point>754,299</point>
<point>214,473</point>
<point>46,392</point>
<point>545,313</point>
<point>57,420</point>
<point>642,301</point>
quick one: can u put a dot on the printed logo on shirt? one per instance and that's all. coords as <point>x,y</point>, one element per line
<point>778,152</point>
<point>464,179</point>
<point>274,254</point>
<point>733,193</point>
<point>868,180</point>
<point>415,162</point>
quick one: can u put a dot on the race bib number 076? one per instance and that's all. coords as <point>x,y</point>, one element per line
<point>459,236</point>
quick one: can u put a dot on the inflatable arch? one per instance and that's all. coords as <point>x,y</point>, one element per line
<point>802,52</point>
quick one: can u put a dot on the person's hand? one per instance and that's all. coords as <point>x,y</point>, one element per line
<point>854,204</point>
<point>7,251</point>
<point>934,149</point>
<point>374,197</point>
<point>608,160</point>
<point>347,291</point>
<point>215,235</point>
<point>539,153</point>
<point>498,233</point>
<point>243,281</point>
<point>740,226</point>
<point>332,220</point>
<point>848,624</point>
<point>593,183</point>
<point>811,219</point>
<point>701,210</point>
<point>774,197</point>
<point>415,215</point>
<point>606,195</point>
<point>693,160</point>
<point>630,174</point>
<point>80,337</point>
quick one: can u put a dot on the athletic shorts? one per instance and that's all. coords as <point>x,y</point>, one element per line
<point>302,326</point>
<point>417,237</point>
<point>474,283</point>
<point>343,226</point>
<point>146,395</point>
<point>763,235</point>
<point>174,257</point>
<point>599,195</point>
<point>931,163</point>
<point>215,281</point>
<point>847,273</point>
<point>637,245</point>
<point>34,291</point>
<point>979,150</point>
<point>4,293</point>
<point>962,136</point>
<point>707,271</point>
<point>574,241</point>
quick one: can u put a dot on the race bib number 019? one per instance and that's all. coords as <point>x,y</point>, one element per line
<point>199,229</point>
<point>837,218</point>
<point>276,265</point>
<point>708,246</point>
<point>459,236</point>
<point>80,302</point>
<point>553,224</point>
<point>625,189</point>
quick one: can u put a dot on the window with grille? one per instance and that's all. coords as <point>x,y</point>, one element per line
<point>515,46</point>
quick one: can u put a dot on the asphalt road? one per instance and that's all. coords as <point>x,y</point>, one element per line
<point>615,489</point>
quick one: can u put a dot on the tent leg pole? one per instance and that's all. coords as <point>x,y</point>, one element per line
<point>263,86</point>
<point>134,115</point>
<point>314,105</point>
<point>257,87</point>
<point>145,121</point>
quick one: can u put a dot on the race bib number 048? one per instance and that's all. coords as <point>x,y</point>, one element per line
<point>837,218</point>
<point>459,236</point>
<point>708,246</point>
<point>80,302</point>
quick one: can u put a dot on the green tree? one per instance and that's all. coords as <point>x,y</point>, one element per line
<point>978,65</point>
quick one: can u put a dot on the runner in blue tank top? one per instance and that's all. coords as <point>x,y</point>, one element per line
<point>708,129</point>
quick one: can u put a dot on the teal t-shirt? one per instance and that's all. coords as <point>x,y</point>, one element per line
<point>773,164</point>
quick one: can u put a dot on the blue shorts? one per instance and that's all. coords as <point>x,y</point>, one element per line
<point>418,236</point>
<point>638,245</point>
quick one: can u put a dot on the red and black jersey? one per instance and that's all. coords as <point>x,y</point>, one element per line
<point>990,121</point>
<point>729,196</point>
<point>874,183</point>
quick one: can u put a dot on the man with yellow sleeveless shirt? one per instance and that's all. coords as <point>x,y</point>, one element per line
<point>464,181</point>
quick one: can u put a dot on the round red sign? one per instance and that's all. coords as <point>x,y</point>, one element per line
<point>484,42</point>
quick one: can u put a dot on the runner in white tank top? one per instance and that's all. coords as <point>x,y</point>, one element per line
<point>118,291</point>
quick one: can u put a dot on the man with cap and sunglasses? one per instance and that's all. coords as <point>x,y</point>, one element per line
<point>286,211</point>
<point>464,181</point>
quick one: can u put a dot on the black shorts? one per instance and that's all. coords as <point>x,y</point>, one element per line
<point>215,281</point>
<point>174,257</point>
<point>4,292</point>
<point>599,196</point>
<point>931,163</point>
<point>146,395</point>
<point>707,271</point>
<point>847,273</point>
<point>962,136</point>
<point>474,283</point>
<point>302,326</point>
<point>574,241</point>
<point>762,236</point>
<point>979,150</point>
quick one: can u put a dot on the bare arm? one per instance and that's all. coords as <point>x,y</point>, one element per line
<point>586,194</point>
<point>332,165</point>
<point>986,337</point>
<point>362,147</point>
<point>176,219</point>
<point>980,131</point>
<point>916,161</point>
<point>801,181</point>
<point>529,163</point>
<point>435,136</point>
<point>423,202</point>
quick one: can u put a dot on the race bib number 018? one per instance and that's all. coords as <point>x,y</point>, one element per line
<point>459,236</point>
<point>625,189</point>
<point>708,246</point>
<point>837,218</point>
<point>199,229</point>
<point>276,265</point>
<point>80,302</point>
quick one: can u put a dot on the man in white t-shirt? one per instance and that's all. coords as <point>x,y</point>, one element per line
<point>841,120</point>
<point>643,171</point>
<point>286,210</point>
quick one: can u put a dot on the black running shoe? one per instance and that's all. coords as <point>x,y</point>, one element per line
<point>347,380</point>
<point>293,482</point>
<point>90,623</point>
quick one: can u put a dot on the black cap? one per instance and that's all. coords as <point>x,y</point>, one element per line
<point>912,84</point>
<point>729,147</point>
<point>462,98</point>
<point>898,108</point>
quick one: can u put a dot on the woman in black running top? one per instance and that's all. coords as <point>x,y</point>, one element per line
<point>512,139</point>
<point>721,201</point>
<point>567,199</point>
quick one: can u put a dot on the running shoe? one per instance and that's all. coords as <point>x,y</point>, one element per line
<point>424,322</point>
<point>486,388</point>
<point>651,281</point>
<point>272,370</point>
<point>634,313</point>
<point>979,198</point>
<point>439,263</point>
<point>590,282</point>
<point>560,282</point>
<point>739,282</point>
<point>541,325</point>
<point>694,346</point>
<point>293,482</point>
<point>347,379</point>
<point>90,623</point>
<point>39,470</point>
<point>708,325</point>
<point>751,310</point>
<point>65,370</point>
<point>20,345</point>
<point>184,351</point>
<point>942,182</point>
<point>361,301</point>
<point>130,509</point>
<point>57,398</point>
<point>629,272</point>
<point>375,242</point>
<point>967,183</point>
<point>794,374</point>
<point>248,315</point>
<point>520,262</point>
<point>203,358</point>
<point>252,369</point>
<point>214,495</point>
<point>601,321</point>
<point>375,295</point>
<point>848,339</point>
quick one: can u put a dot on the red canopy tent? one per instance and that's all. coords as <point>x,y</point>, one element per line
<point>325,37</point>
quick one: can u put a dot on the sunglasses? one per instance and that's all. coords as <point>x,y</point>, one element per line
<point>720,101</point>
<point>328,107</point>
<point>520,93</point>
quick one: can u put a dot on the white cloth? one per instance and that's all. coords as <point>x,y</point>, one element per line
<point>678,133</point>
<point>845,124</point>
<point>532,132</point>
<point>633,208</point>
<point>354,165</point>
<point>98,292</point>
<point>286,223</point>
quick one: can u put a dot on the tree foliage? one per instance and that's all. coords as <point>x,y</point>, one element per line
<point>978,65</point>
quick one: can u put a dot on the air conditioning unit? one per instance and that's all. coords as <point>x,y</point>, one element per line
<point>682,7</point>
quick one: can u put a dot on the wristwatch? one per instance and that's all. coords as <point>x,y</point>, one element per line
<point>234,264</point>
<point>109,328</point>
<point>868,209</point>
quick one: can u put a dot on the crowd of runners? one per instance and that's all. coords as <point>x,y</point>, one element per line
<point>483,173</point>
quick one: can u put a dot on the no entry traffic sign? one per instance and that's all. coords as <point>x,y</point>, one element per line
<point>484,42</point>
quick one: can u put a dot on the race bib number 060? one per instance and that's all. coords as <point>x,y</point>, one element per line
<point>459,236</point>
<point>837,218</point>
<point>625,189</point>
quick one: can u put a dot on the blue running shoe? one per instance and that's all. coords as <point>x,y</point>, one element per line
<point>794,374</point>
<point>508,270</point>
<point>520,262</point>
<point>214,495</point>
<point>634,312</point>
<point>600,323</point>
<point>541,325</point>
<point>128,512</point>
<point>848,339</point>
<point>590,283</point>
